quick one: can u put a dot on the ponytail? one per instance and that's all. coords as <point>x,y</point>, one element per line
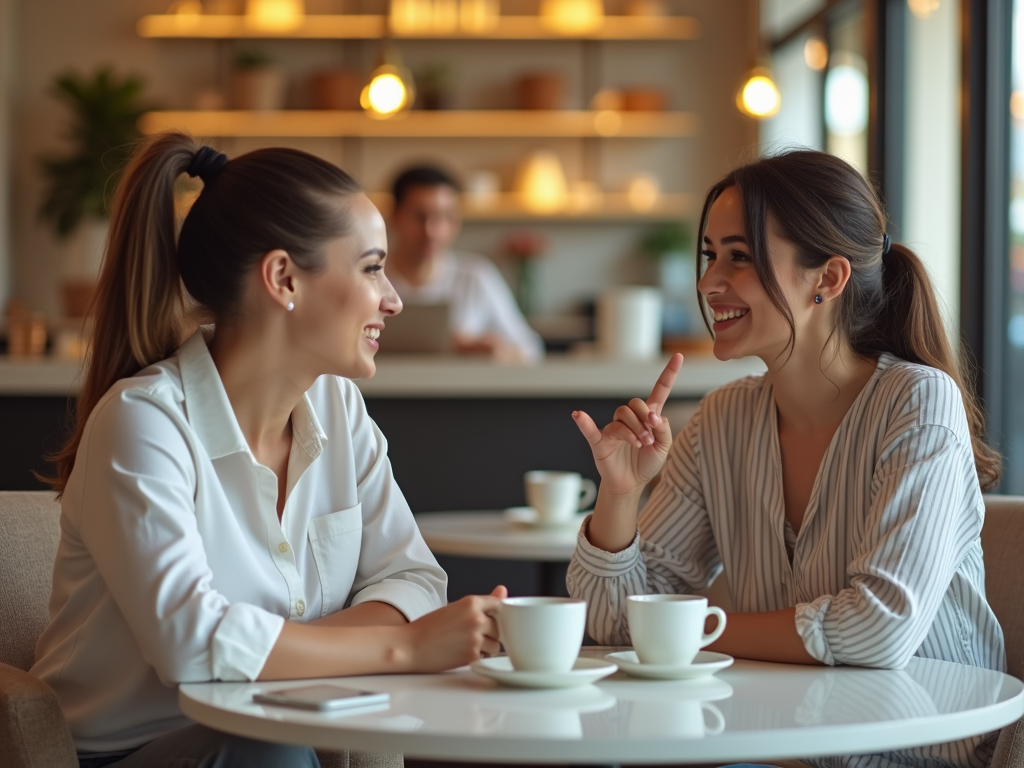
<point>264,200</point>
<point>824,207</point>
<point>138,309</point>
<point>910,326</point>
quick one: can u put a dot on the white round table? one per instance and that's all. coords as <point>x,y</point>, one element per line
<point>750,711</point>
<point>490,534</point>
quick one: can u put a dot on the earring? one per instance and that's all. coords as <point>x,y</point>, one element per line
<point>291,305</point>
<point>817,298</point>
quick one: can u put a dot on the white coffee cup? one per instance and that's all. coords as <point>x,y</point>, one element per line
<point>542,634</point>
<point>558,496</point>
<point>669,629</point>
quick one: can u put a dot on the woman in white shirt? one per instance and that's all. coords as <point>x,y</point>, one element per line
<point>228,508</point>
<point>840,493</point>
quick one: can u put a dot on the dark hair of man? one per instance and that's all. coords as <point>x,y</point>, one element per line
<point>421,176</point>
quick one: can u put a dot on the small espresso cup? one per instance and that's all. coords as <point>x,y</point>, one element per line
<point>542,634</point>
<point>558,496</point>
<point>669,629</point>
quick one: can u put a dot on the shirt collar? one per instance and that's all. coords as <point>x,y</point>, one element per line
<point>210,413</point>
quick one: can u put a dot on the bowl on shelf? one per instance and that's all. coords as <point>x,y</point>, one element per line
<point>335,89</point>
<point>642,99</point>
<point>540,90</point>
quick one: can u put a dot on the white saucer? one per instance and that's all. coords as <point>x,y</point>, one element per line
<point>528,516</point>
<point>706,663</point>
<point>583,672</point>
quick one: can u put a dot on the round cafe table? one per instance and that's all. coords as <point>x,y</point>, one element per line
<point>748,712</point>
<point>491,534</point>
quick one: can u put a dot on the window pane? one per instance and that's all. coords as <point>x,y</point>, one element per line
<point>1013,479</point>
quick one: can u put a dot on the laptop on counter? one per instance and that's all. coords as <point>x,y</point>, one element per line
<point>419,329</point>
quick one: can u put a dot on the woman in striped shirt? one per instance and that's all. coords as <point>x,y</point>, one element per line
<point>840,493</point>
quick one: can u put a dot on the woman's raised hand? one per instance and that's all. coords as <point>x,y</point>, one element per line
<point>631,450</point>
<point>457,634</point>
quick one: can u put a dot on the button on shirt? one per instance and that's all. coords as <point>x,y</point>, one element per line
<point>173,566</point>
<point>480,301</point>
<point>886,565</point>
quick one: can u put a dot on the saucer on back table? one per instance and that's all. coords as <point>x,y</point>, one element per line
<point>527,516</point>
<point>584,672</point>
<point>704,664</point>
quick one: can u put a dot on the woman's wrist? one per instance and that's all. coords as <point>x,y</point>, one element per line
<point>612,527</point>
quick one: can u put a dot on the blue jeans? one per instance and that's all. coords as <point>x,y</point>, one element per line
<point>196,746</point>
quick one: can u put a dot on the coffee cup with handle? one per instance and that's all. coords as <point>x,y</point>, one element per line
<point>558,496</point>
<point>542,634</point>
<point>669,629</point>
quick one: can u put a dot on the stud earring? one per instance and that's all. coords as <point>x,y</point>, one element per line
<point>291,305</point>
<point>817,298</point>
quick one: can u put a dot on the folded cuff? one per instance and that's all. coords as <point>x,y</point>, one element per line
<point>412,600</point>
<point>605,564</point>
<point>243,641</point>
<point>810,620</point>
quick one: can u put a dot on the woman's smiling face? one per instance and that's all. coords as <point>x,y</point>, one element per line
<point>344,305</point>
<point>746,321</point>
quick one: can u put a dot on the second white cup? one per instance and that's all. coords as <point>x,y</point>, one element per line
<point>542,634</point>
<point>558,496</point>
<point>669,629</point>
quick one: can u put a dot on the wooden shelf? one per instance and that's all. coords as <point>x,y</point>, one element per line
<point>612,208</point>
<point>336,27</point>
<point>426,124</point>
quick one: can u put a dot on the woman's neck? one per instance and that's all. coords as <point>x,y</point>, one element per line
<point>815,387</point>
<point>261,387</point>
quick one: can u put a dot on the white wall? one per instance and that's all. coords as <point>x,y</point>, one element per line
<point>932,195</point>
<point>700,76</point>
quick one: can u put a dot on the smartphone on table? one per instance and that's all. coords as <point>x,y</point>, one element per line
<point>321,698</point>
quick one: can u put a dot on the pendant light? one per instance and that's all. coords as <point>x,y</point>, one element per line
<point>390,89</point>
<point>759,97</point>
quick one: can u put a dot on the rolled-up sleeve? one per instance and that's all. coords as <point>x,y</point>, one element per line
<point>395,565</point>
<point>916,535</point>
<point>139,525</point>
<point>674,550</point>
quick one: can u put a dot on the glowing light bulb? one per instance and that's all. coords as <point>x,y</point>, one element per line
<point>542,184</point>
<point>572,17</point>
<point>277,15</point>
<point>815,53</point>
<point>923,8</point>
<point>759,97</point>
<point>385,94</point>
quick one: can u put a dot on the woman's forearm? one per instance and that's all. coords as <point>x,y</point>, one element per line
<point>768,636</point>
<point>369,614</point>
<point>306,650</point>
<point>613,525</point>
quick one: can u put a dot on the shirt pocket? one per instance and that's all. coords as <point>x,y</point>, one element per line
<point>335,541</point>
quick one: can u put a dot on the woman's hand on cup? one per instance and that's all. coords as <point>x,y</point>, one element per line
<point>459,633</point>
<point>631,450</point>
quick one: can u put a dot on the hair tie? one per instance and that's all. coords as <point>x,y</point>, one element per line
<point>206,163</point>
<point>886,243</point>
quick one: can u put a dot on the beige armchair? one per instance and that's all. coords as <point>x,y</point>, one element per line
<point>1003,541</point>
<point>32,728</point>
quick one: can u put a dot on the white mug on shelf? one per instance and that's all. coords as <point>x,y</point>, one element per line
<point>669,629</point>
<point>542,634</point>
<point>629,323</point>
<point>558,496</point>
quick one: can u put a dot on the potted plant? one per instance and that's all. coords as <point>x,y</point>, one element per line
<point>80,184</point>
<point>259,84</point>
<point>672,245</point>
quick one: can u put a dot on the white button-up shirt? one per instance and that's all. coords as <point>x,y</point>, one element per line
<point>173,566</point>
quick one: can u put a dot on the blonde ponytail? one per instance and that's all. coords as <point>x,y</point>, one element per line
<point>138,311</point>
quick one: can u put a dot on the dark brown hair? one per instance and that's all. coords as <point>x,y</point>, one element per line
<point>824,207</point>
<point>256,203</point>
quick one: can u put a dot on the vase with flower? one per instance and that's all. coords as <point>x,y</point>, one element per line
<point>523,249</point>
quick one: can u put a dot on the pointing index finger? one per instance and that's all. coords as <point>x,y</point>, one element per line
<point>663,387</point>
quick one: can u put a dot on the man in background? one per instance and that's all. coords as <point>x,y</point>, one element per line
<point>424,270</point>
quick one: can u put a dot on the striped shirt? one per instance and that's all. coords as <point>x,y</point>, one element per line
<point>887,563</point>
